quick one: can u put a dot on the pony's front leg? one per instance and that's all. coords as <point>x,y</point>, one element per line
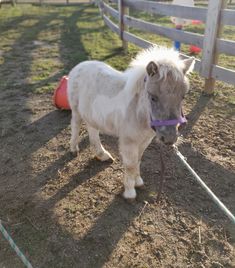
<point>142,147</point>
<point>139,183</point>
<point>129,153</point>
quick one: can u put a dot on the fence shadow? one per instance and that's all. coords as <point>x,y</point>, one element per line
<point>195,113</point>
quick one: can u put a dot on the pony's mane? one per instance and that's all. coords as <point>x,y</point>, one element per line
<point>167,58</point>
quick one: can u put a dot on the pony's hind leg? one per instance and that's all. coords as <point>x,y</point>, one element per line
<point>75,128</point>
<point>94,137</point>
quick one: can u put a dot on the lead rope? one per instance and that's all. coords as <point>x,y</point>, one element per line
<point>162,172</point>
<point>162,167</point>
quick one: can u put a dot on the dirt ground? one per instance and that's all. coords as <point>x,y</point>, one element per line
<point>66,211</point>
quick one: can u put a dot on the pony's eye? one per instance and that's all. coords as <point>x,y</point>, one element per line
<point>154,98</point>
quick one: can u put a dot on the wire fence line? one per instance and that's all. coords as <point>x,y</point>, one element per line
<point>14,246</point>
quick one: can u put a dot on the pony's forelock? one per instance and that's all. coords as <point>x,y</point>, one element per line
<point>166,58</point>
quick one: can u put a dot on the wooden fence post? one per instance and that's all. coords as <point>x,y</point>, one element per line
<point>122,11</point>
<point>212,32</point>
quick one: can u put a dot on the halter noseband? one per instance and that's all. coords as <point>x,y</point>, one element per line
<point>173,122</point>
<point>159,123</point>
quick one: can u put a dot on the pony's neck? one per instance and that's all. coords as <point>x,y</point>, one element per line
<point>135,81</point>
<point>143,112</point>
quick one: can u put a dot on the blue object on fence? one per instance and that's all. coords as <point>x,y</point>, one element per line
<point>208,190</point>
<point>177,44</point>
<point>14,246</point>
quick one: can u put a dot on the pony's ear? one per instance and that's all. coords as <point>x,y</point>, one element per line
<point>152,68</point>
<point>188,65</point>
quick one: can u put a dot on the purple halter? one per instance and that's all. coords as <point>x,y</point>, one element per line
<point>173,122</point>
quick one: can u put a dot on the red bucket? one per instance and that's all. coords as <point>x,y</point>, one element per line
<point>60,98</point>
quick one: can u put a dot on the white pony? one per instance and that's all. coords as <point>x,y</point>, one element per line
<point>136,105</point>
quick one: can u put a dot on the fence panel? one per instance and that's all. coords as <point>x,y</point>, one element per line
<point>212,45</point>
<point>223,74</point>
<point>193,13</point>
<point>110,24</point>
<point>173,34</point>
<point>111,11</point>
<point>227,17</point>
<point>225,46</point>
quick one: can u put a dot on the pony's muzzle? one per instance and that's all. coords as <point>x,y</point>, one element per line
<point>168,135</point>
<point>167,130</point>
<point>169,142</point>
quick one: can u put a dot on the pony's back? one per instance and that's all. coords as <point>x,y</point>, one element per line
<point>90,79</point>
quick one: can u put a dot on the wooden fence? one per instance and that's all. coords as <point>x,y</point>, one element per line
<point>215,17</point>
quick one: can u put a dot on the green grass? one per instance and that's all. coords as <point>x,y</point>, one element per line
<point>40,44</point>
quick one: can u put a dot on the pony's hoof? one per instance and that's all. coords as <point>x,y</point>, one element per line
<point>129,195</point>
<point>139,183</point>
<point>104,156</point>
<point>74,150</point>
<point>74,153</point>
<point>130,200</point>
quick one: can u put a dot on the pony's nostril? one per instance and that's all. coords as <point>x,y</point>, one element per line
<point>162,139</point>
<point>182,127</point>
